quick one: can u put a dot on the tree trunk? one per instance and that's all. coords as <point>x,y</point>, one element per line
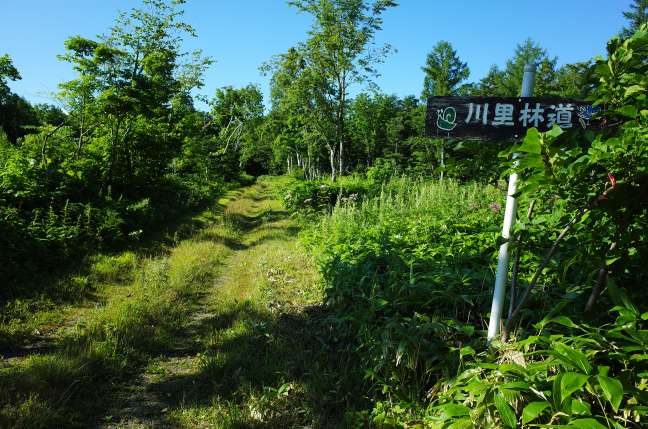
<point>442,159</point>
<point>340,120</point>
<point>332,160</point>
<point>340,157</point>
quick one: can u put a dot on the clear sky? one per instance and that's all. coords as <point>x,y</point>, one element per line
<point>241,34</point>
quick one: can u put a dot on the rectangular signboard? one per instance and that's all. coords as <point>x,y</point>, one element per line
<point>502,117</point>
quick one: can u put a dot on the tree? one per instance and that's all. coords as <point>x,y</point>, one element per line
<point>508,82</point>
<point>298,122</point>
<point>637,15</point>
<point>338,55</point>
<point>15,111</point>
<point>573,80</point>
<point>18,117</point>
<point>7,72</point>
<point>50,114</point>
<point>124,92</point>
<point>369,117</point>
<point>237,114</point>
<point>444,71</point>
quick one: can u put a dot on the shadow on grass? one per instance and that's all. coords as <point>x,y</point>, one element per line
<point>62,389</point>
<point>247,222</point>
<point>73,280</point>
<point>282,366</point>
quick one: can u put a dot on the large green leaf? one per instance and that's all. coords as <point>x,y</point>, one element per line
<point>506,412</point>
<point>628,111</point>
<point>464,423</point>
<point>586,424</point>
<point>571,382</point>
<point>571,357</point>
<point>533,410</point>
<point>612,390</point>
<point>453,410</point>
<point>555,391</point>
<point>531,143</point>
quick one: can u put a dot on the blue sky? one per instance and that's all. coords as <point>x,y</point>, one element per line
<point>241,34</point>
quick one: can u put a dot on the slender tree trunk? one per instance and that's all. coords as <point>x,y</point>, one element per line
<point>340,157</point>
<point>81,130</point>
<point>340,120</point>
<point>601,279</point>
<point>331,149</point>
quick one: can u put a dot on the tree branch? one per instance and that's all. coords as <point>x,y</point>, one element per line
<point>547,259</point>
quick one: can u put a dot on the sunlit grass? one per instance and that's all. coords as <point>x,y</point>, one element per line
<point>260,363</point>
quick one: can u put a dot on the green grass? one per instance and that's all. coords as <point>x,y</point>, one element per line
<point>262,363</point>
<point>141,303</point>
<point>407,274</point>
<point>224,329</point>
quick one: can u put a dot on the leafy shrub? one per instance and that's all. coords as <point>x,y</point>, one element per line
<point>113,268</point>
<point>322,195</point>
<point>246,179</point>
<point>572,375</point>
<point>405,274</point>
<point>41,232</point>
<point>408,280</point>
<point>381,171</point>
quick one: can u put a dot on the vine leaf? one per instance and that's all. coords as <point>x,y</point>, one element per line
<point>612,390</point>
<point>533,410</point>
<point>506,412</point>
<point>571,382</point>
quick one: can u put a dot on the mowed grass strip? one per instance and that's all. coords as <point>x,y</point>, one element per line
<point>265,361</point>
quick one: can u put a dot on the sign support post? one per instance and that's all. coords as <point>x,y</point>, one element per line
<point>443,142</point>
<point>499,292</point>
<point>497,119</point>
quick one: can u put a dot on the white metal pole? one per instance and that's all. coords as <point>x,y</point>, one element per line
<point>443,140</point>
<point>499,293</point>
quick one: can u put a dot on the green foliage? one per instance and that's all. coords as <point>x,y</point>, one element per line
<point>405,271</point>
<point>381,171</point>
<point>236,115</point>
<point>636,16</point>
<point>405,275</point>
<point>107,172</point>
<point>336,56</point>
<point>569,80</point>
<point>592,185</point>
<point>575,375</point>
<point>444,72</point>
<point>321,195</point>
<point>149,303</point>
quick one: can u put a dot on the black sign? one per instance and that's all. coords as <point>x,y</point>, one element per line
<point>502,117</point>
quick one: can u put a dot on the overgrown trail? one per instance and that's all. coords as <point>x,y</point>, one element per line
<point>248,357</point>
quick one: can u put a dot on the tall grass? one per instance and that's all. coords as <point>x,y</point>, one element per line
<point>407,275</point>
<point>407,199</point>
<point>156,303</point>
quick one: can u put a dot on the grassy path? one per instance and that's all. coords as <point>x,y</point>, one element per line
<point>247,357</point>
<point>220,329</point>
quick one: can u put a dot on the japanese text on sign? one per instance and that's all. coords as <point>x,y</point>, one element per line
<point>503,117</point>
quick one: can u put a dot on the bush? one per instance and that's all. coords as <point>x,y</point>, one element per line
<point>405,273</point>
<point>35,237</point>
<point>408,276</point>
<point>381,171</point>
<point>322,195</point>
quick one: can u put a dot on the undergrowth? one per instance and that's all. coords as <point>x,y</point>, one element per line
<point>145,302</point>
